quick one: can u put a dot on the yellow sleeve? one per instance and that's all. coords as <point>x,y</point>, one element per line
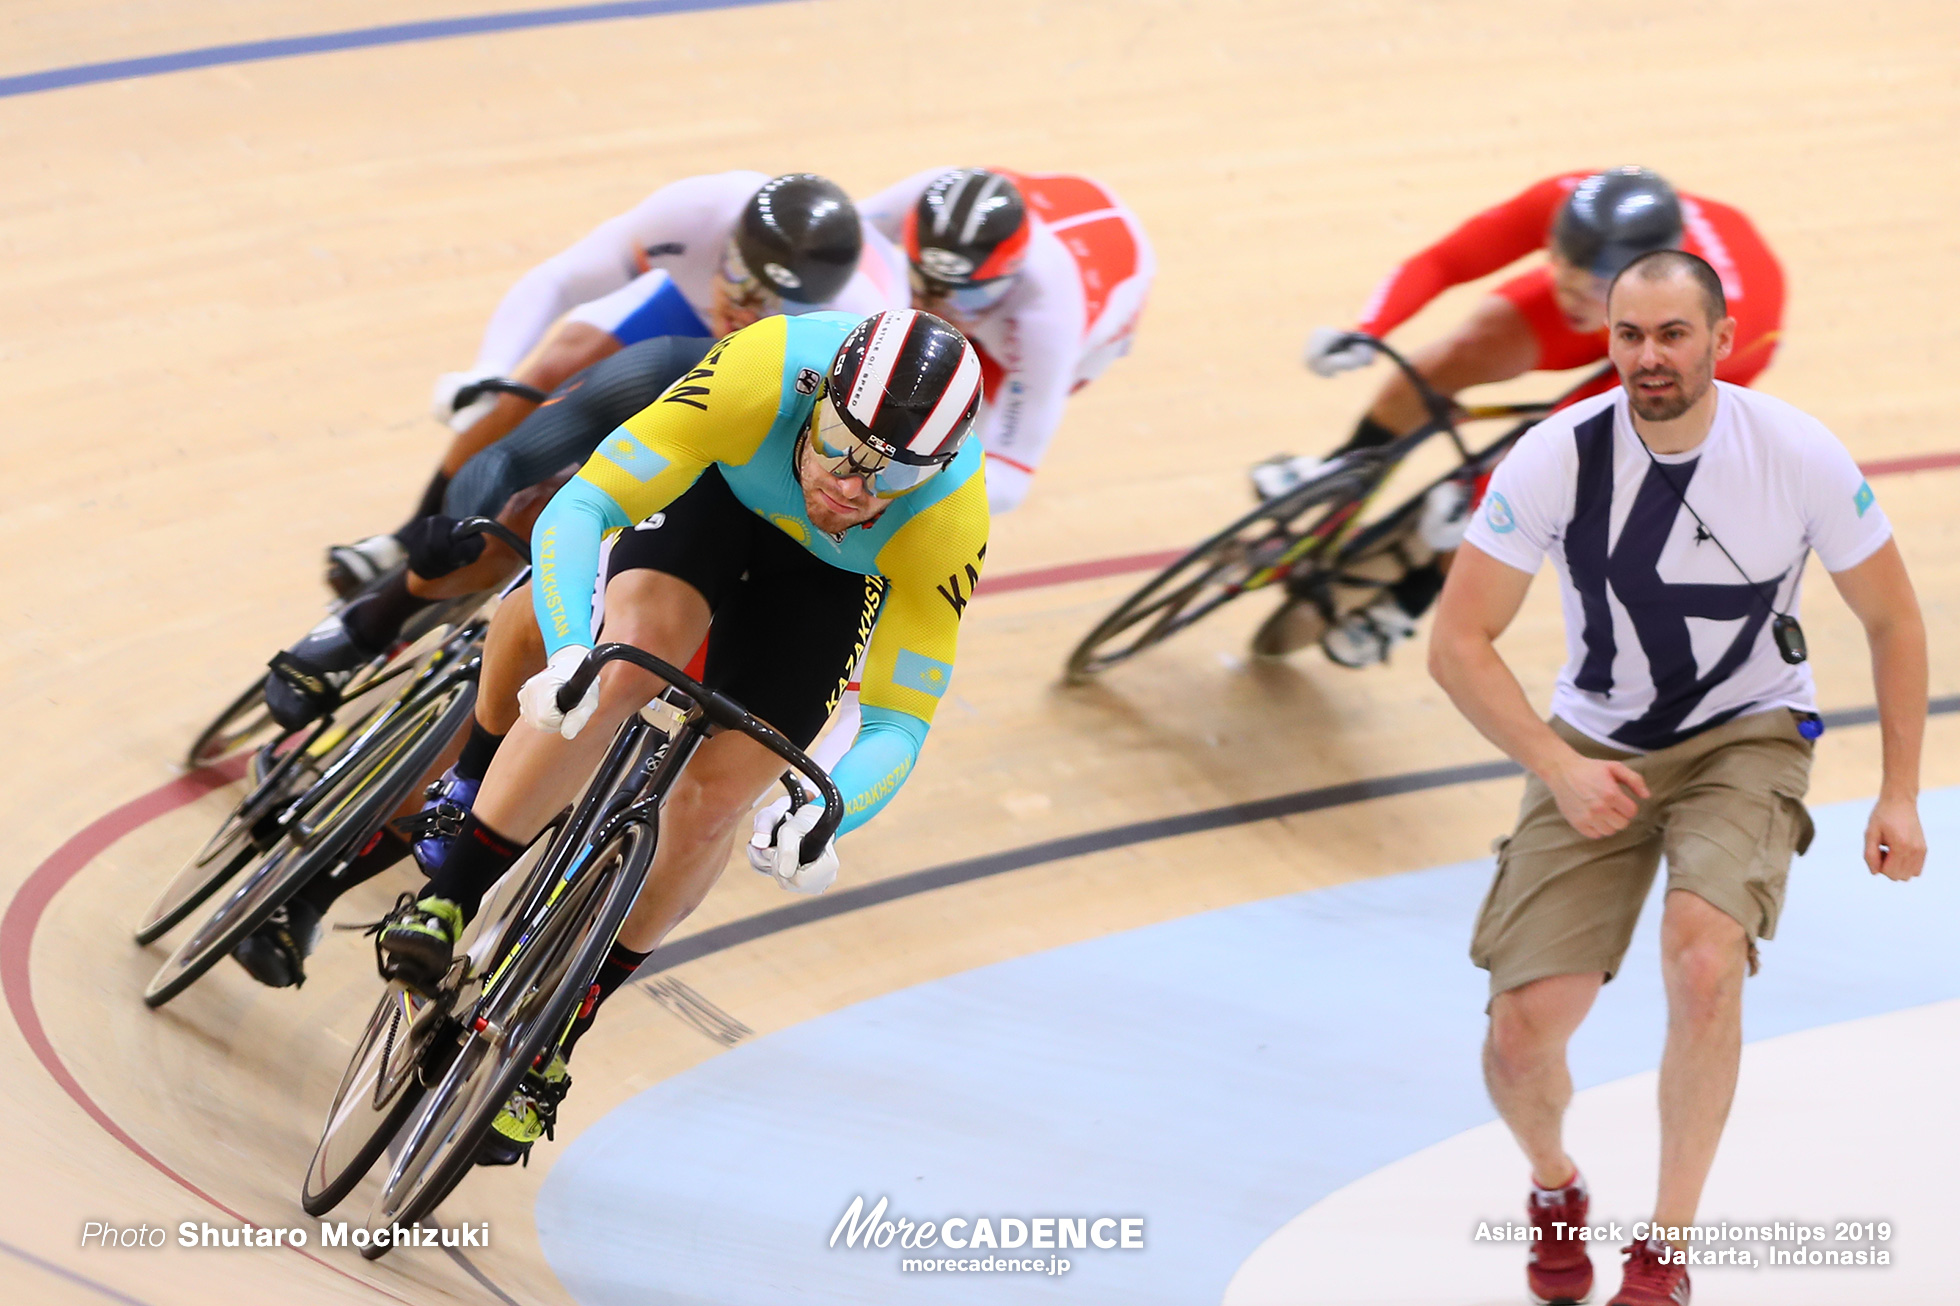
<point>721,411</point>
<point>933,563</point>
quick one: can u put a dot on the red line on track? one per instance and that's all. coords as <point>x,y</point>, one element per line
<point>1069,572</point>
<point>23,918</point>
<point>1926,462</point>
<point>1042,577</point>
<point>53,874</point>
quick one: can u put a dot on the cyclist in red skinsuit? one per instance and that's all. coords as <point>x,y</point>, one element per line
<point>1560,306</point>
<point>1549,318</point>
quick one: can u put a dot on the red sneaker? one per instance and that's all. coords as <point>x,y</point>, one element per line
<point>1559,1272</point>
<point>1652,1278</point>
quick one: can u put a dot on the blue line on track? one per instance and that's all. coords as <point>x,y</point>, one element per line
<point>286,47</point>
<point>70,1275</point>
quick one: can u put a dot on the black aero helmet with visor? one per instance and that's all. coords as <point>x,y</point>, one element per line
<point>899,401</point>
<point>967,237</point>
<point>798,241</point>
<point>1612,218</point>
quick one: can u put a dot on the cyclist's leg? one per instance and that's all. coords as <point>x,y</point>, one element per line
<point>568,350</point>
<point>647,307</point>
<point>793,685</point>
<point>513,652</point>
<point>1498,341</point>
<point>666,579</point>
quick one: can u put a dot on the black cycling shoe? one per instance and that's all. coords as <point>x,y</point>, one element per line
<point>275,954</point>
<point>306,678</point>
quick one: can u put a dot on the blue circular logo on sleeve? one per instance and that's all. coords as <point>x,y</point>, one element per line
<point>1497,513</point>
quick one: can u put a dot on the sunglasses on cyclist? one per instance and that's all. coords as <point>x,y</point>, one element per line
<point>843,453</point>
<point>968,299</point>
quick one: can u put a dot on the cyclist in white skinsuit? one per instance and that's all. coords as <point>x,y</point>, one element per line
<point>700,257</point>
<point>1046,274</point>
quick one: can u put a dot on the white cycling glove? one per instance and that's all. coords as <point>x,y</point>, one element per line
<point>442,403</point>
<point>1328,355</point>
<point>538,699</point>
<point>775,848</point>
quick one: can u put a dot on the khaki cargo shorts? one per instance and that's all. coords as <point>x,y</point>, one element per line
<point>1726,810</point>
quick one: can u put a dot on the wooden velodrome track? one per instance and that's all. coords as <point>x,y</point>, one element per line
<point>227,290</point>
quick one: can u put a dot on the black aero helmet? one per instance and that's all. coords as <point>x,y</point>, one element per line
<point>899,402</point>
<point>1612,218</point>
<point>970,226</point>
<point>799,238</point>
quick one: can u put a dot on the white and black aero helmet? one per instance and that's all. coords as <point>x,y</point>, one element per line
<point>899,401</point>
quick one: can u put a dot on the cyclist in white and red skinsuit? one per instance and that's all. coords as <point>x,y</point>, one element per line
<point>1045,273</point>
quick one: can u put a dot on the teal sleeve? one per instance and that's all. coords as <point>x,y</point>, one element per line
<point>565,560</point>
<point>880,758</point>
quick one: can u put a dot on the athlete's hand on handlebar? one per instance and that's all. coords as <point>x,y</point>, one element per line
<point>773,848</point>
<point>442,403</point>
<point>538,699</point>
<point>1331,351</point>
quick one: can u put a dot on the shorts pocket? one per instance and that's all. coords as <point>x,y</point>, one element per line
<point>1483,938</point>
<point>1789,835</point>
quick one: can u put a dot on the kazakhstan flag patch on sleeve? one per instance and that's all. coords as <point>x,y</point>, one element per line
<point>627,452</point>
<point>917,671</point>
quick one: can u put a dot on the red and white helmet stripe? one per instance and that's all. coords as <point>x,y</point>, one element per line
<point>880,356</point>
<point>889,386</point>
<point>956,402</point>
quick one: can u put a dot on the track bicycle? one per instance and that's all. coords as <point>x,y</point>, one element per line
<point>429,1075</point>
<point>246,722</point>
<point>1314,542</point>
<point>320,801</point>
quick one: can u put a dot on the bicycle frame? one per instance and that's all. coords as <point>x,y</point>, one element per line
<point>1337,530</point>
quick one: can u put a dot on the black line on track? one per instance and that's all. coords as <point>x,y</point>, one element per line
<point>748,929</point>
<point>469,1268</point>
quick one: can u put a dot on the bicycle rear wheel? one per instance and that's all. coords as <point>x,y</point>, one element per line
<point>519,1020</point>
<point>377,1092</point>
<point>1323,590</point>
<point>1257,550</point>
<point>332,824</point>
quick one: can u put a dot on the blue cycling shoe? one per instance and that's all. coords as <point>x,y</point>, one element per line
<point>441,818</point>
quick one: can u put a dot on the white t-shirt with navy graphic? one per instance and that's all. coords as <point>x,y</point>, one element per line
<point>1664,636</point>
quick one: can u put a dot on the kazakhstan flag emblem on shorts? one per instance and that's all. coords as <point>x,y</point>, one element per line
<point>917,671</point>
<point>625,451</point>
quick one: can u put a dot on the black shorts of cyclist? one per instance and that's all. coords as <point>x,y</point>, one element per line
<point>788,628</point>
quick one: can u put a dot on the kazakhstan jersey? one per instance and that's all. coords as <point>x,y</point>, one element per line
<point>744,410</point>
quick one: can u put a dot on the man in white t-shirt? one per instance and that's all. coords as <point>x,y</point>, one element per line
<point>1677,512</point>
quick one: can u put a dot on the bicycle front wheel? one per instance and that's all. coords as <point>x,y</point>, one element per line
<point>520,1020</point>
<point>380,1088</point>
<point>1259,549</point>
<point>245,721</point>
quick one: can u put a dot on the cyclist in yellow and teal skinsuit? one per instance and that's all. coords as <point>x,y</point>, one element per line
<point>808,488</point>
